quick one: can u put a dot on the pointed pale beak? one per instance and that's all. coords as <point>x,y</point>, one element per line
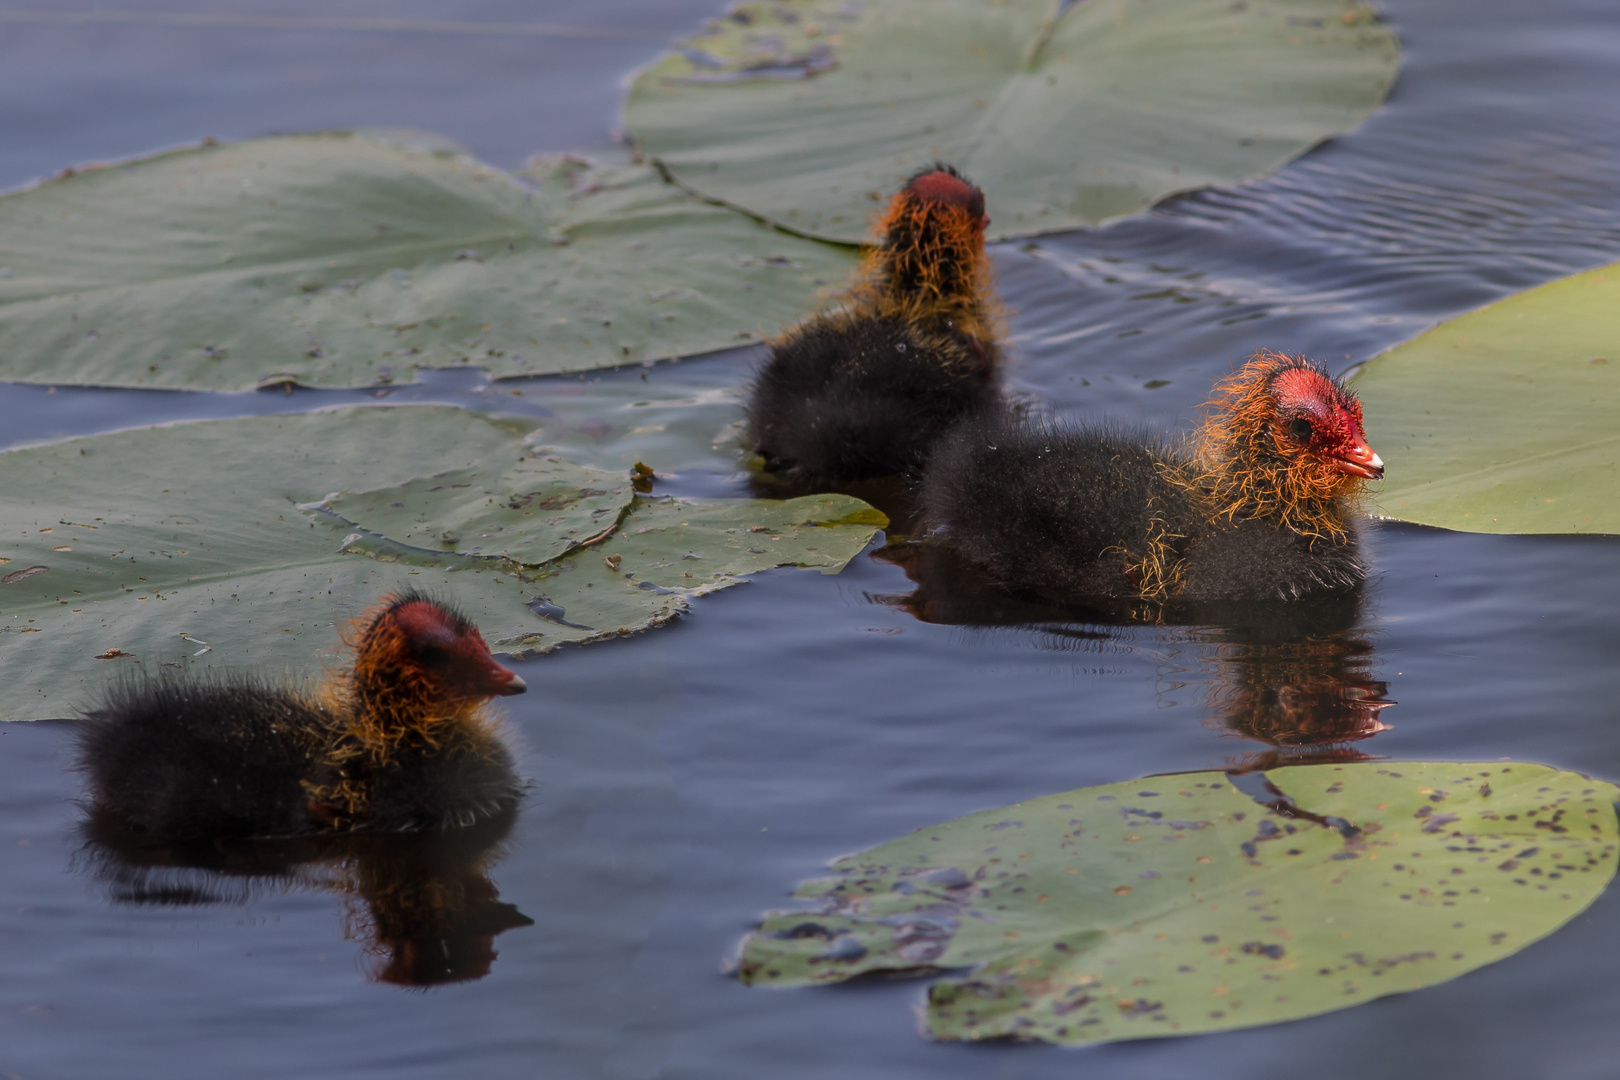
<point>505,682</point>
<point>1360,461</point>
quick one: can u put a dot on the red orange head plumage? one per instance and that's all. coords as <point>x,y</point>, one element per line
<point>1284,440</point>
<point>942,186</point>
<point>929,260</point>
<point>1318,414</point>
<point>421,679</point>
<point>418,652</point>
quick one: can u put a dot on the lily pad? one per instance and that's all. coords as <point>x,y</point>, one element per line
<point>1507,419</point>
<point>342,260</point>
<point>668,551</point>
<point>1177,904</point>
<point>535,511</point>
<point>188,546</point>
<point>811,112</point>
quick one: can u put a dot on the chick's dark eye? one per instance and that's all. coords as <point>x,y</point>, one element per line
<point>433,656</point>
<point>1300,429</point>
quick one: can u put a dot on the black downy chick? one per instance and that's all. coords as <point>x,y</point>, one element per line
<point>401,741</point>
<point>864,391</point>
<point>1260,506</point>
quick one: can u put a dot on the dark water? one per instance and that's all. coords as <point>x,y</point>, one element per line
<point>687,779</point>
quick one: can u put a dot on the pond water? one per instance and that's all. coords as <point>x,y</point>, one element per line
<point>687,779</point>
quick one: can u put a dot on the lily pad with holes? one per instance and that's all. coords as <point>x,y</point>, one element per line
<point>811,112</point>
<point>1507,419</point>
<point>1178,904</point>
<point>197,546</point>
<point>348,260</point>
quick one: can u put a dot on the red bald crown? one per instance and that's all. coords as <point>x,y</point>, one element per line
<point>1282,440</point>
<point>944,187</point>
<point>1304,392</point>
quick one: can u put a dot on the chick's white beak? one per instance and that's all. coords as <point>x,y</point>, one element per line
<point>1360,461</point>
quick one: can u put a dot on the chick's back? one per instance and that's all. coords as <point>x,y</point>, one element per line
<point>187,760</point>
<point>854,396</point>
<point>1049,508</point>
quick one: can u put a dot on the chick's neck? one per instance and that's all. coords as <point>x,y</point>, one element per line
<point>392,709</point>
<point>930,266</point>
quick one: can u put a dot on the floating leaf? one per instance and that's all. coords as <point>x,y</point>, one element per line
<point>338,260</point>
<point>1507,419</point>
<point>535,511</point>
<point>811,112</point>
<point>1177,904</point>
<point>187,546</point>
<point>668,551</point>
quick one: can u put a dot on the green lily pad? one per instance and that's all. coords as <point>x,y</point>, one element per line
<point>1507,419</point>
<point>811,113</point>
<point>342,260</point>
<point>1176,904</point>
<point>536,510</point>
<point>190,546</point>
<point>668,551</point>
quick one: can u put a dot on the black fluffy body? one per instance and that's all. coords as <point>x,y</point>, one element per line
<point>849,397</point>
<point>227,758</point>
<point>455,787</point>
<point>1069,512</point>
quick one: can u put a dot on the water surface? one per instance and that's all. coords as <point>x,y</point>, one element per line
<point>685,780</point>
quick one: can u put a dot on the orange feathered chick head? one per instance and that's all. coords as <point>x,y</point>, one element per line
<point>938,209</point>
<point>416,648</point>
<point>1286,440</point>
<point>1318,416</point>
<point>929,260</point>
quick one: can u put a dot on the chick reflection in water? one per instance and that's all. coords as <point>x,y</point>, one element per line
<point>1309,697</point>
<point>1297,674</point>
<point>421,906</point>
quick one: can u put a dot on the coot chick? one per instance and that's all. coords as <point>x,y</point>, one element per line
<point>401,741</point>
<point>864,391</point>
<point>1260,505</point>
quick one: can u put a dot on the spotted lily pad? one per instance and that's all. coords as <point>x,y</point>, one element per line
<point>1178,904</point>
<point>1507,419</point>
<point>342,260</point>
<point>810,112</point>
<point>202,545</point>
